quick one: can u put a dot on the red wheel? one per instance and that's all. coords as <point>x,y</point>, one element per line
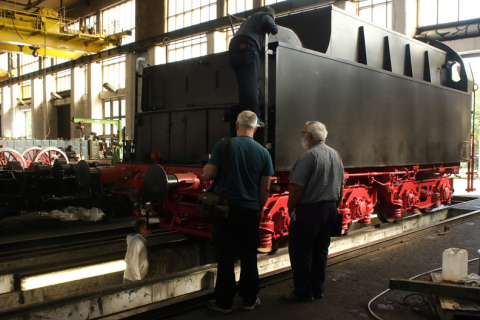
<point>9,154</point>
<point>49,155</point>
<point>30,154</point>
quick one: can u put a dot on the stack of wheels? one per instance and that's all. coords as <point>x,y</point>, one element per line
<point>33,154</point>
<point>9,154</point>
<point>49,155</point>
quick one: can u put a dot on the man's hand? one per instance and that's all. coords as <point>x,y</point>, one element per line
<point>296,193</point>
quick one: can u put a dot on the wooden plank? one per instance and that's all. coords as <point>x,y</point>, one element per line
<point>444,289</point>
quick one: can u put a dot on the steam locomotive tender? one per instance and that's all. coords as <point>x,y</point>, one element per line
<point>391,105</point>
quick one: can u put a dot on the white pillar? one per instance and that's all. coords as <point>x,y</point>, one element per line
<point>14,94</point>
<point>130,92</point>
<point>404,16</point>
<point>94,102</point>
<point>7,122</point>
<point>77,104</point>
<point>348,6</point>
<point>49,110</point>
<point>38,122</point>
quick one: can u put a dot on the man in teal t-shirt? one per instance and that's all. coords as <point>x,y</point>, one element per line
<point>248,175</point>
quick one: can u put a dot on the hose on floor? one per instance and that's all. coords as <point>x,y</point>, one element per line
<point>415,277</point>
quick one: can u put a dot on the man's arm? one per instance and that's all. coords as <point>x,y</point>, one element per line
<point>210,172</point>
<point>295,195</point>
<point>264,190</point>
<point>269,24</point>
<point>340,198</point>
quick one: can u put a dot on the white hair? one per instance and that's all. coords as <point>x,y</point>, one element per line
<point>247,119</point>
<point>317,130</point>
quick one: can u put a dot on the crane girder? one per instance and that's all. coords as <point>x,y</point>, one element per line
<point>27,32</point>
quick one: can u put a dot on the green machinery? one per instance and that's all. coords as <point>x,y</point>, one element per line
<point>118,152</point>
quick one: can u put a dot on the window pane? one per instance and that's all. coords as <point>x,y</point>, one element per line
<point>378,1</point>
<point>115,109</point>
<point>124,122</point>
<point>108,129</point>
<point>427,14</point>
<point>469,9</point>
<point>366,14</point>
<point>380,15</point>
<point>123,112</point>
<point>447,11</point>
<point>107,109</point>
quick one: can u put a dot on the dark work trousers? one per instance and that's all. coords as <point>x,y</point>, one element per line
<point>237,233</point>
<point>245,61</point>
<point>309,239</point>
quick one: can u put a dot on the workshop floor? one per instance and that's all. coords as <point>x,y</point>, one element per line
<point>351,284</point>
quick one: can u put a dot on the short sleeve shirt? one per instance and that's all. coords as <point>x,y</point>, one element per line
<point>320,171</point>
<point>249,161</point>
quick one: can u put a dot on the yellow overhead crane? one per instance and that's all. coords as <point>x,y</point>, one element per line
<point>27,32</point>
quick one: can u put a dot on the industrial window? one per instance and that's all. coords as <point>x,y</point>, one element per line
<point>235,6</point>
<point>432,12</point>
<point>118,18</point>
<point>28,64</point>
<point>91,22</point>
<point>114,109</point>
<point>269,2</point>
<point>113,71</point>
<point>75,26</point>
<point>26,89</point>
<point>377,11</point>
<point>60,60</point>
<point>63,80</point>
<point>229,35</point>
<point>187,48</point>
<point>184,13</point>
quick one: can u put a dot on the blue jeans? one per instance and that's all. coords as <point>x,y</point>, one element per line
<point>245,63</point>
<point>309,239</point>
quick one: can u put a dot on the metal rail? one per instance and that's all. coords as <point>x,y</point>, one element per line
<point>199,296</point>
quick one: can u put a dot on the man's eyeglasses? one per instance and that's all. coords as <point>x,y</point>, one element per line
<point>304,132</point>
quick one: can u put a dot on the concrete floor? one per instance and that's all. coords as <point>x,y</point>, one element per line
<point>351,284</point>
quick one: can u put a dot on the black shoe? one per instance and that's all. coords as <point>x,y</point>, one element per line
<point>292,296</point>
<point>318,296</point>
<point>213,306</point>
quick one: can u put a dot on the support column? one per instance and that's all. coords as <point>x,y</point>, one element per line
<point>404,16</point>
<point>348,6</point>
<point>38,123</point>
<point>14,94</point>
<point>7,112</point>
<point>78,106</point>
<point>258,3</point>
<point>48,109</point>
<point>221,8</point>
<point>94,102</point>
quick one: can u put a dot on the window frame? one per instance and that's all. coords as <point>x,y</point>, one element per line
<point>372,6</point>
<point>121,101</point>
<point>437,15</point>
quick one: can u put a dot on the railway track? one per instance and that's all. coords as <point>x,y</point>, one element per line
<point>193,286</point>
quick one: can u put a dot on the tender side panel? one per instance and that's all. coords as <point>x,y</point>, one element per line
<point>208,80</point>
<point>374,118</point>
